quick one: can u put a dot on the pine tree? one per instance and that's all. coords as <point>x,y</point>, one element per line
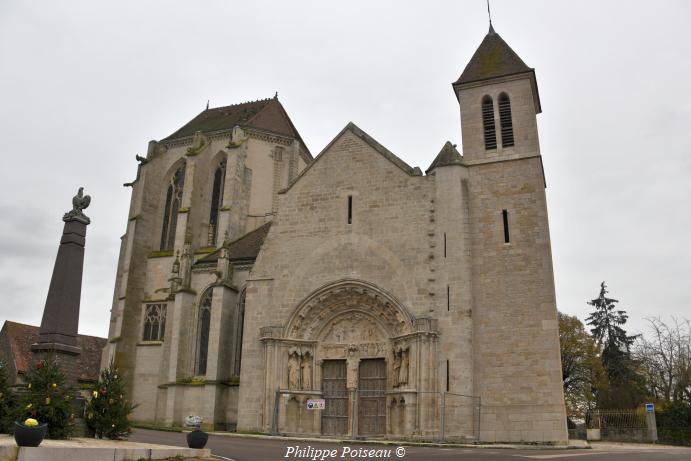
<point>48,398</point>
<point>7,402</point>
<point>108,408</point>
<point>626,387</point>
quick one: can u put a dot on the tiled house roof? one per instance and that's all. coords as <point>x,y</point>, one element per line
<point>19,337</point>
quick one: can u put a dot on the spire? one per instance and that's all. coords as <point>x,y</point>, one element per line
<point>493,58</point>
<point>489,14</point>
<point>207,104</point>
<point>448,155</point>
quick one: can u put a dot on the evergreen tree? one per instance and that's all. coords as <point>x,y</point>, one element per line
<point>7,402</point>
<point>48,398</point>
<point>108,409</point>
<point>626,386</point>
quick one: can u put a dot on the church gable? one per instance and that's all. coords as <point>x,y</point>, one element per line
<point>339,145</point>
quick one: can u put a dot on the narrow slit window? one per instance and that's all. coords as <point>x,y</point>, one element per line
<point>448,376</point>
<point>505,217</point>
<point>488,123</point>
<point>445,244</point>
<point>448,298</point>
<point>203,329</point>
<point>350,209</point>
<point>505,120</point>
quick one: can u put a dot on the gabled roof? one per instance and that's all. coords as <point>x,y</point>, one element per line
<point>386,153</point>
<point>447,156</point>
<point>21,336</point>
<point>493,58</point>
<point>264,114</point>
<point>245,248</point>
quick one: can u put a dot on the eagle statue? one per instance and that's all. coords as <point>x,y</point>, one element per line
<point>79,203</point>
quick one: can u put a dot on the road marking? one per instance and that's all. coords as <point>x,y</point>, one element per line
<point>560,455</point>
<point>222,457</point>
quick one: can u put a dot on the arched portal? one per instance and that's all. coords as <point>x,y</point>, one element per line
<point>350,343</point>
<point>348,299</point>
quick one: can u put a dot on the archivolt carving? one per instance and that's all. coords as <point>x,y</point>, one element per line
<point>350,296</point>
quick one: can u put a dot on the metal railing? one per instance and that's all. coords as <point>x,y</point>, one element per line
<point>437,416</point>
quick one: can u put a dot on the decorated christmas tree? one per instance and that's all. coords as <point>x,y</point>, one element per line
<point>108,409</point>
<point>48,398</point>
<point>7,407</point>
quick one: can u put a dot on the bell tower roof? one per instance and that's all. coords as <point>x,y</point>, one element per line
<point>493,58</point>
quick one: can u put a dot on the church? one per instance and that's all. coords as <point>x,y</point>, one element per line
<point>256,282</point>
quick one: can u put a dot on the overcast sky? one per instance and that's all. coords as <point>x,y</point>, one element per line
<point>85,85</point>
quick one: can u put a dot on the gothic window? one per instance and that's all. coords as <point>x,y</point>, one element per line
<point>204,324</point>
<point>216,201</point>
<point>488,123</point>
<point>154,322</point>
<point>238,344</point>
<point>505,120</point>
<point>172,206</point>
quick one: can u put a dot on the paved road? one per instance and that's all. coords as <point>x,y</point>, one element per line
<point>253,449</point>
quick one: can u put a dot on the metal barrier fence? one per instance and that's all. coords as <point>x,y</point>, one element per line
<point>634,425</point>
<point>620,419</point>
<point>362,414</point>
<point>460,417</point>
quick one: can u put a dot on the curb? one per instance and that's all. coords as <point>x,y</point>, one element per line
<point>404,442</point>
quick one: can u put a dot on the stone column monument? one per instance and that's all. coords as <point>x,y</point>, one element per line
<point>58,332</point>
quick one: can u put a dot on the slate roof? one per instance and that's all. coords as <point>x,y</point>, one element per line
<point>21,336</point>
<point>447,156</point>
<point>264,114</point>
<point>493,58</point>
<point>246,248</point>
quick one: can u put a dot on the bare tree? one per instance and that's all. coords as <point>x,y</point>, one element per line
<point>664,353</point>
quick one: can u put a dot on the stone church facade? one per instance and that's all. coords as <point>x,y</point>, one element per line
<point>402,299</point>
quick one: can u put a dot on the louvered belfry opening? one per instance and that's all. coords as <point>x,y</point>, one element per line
<point>488,123</point>
<point>505,120</point>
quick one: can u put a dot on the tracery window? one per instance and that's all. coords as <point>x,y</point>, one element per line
<point>505,120</point>
<point>488,123</point>
<point>216,202</point>
<point>154,322</point>
<point>172,206</point>
<point>203,326</point>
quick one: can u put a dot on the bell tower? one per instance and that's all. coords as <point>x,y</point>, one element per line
<point>514,315</point>
<point>498,97</point>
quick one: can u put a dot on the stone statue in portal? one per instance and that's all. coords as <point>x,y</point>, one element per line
<point>403,371</point>
<point>307,371</point>
<point>396,366</point>
<point>293,371</point>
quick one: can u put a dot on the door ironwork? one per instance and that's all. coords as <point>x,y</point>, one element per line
<point>372,397</point>
<point>335,413</point>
